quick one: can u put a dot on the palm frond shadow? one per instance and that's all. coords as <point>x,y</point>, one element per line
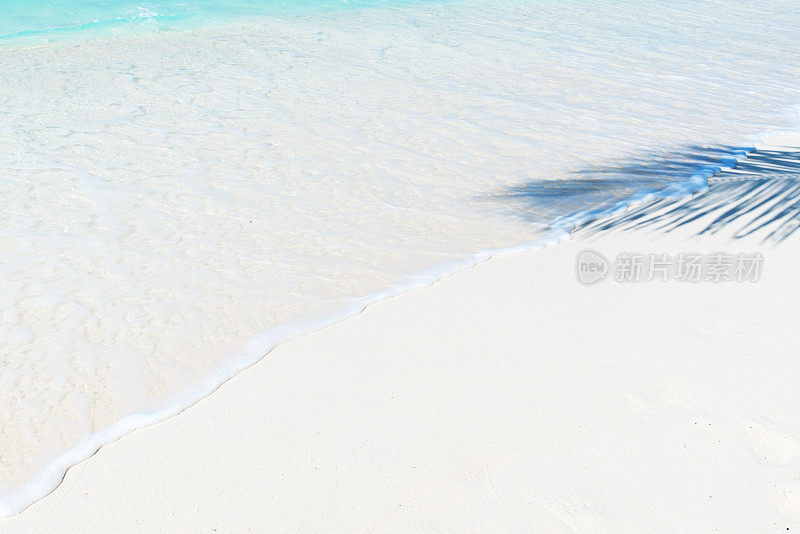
<point>759,197</point>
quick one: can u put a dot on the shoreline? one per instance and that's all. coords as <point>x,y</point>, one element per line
<point>457,290</point>
<point>53,476</point>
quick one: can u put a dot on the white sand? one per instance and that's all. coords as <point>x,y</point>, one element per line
<point>506,398</point>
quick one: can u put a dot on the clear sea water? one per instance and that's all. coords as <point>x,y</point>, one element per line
<point>186,184</point>
<point>51,20</point>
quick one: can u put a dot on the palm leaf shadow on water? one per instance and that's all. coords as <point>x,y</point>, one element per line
<point>760,196</point>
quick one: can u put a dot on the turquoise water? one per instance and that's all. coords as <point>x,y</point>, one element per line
<point>28,20</point>
<point>22,18</point>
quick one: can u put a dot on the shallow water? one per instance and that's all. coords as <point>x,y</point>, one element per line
<point>178,201</point>
<point>54,20</point>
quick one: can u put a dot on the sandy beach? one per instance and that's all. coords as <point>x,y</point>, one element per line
<point>509,397</point>
<point>188,184</point>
